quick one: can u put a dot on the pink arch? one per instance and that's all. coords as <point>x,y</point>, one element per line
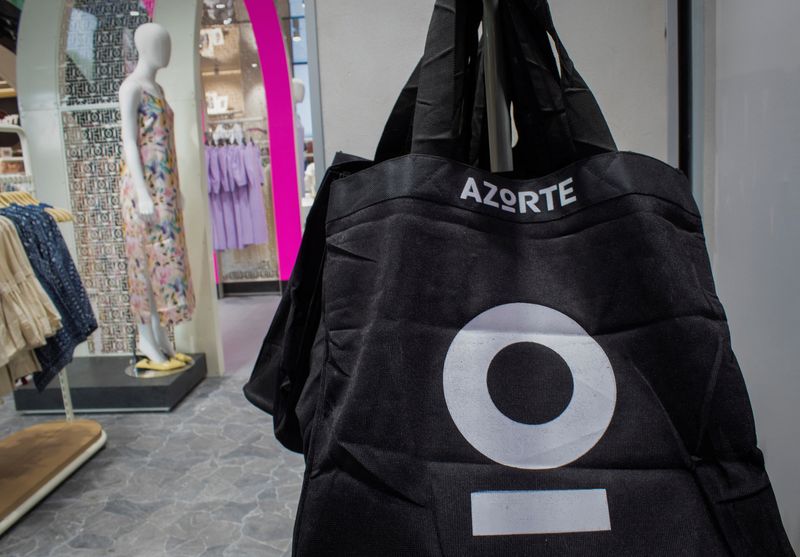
<point>280,116</point>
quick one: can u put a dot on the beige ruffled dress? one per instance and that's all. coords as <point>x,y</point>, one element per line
<point>27,315</point>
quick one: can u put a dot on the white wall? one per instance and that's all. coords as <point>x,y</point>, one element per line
<point>367,49</point>
<point>181,83</point>
<point>37,96</point>
<point>757,222</point>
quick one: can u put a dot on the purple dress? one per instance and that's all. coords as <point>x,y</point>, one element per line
<point>236,199</point>
<point>214,200</point>
<point>226,199</point>
<point>237,176</point>
<point>255,179</point>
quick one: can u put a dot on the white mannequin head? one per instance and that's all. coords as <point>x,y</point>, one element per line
<point>154,45</point>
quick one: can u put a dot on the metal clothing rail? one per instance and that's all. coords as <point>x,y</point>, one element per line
<point>237,120</point>
<point>47,453</point>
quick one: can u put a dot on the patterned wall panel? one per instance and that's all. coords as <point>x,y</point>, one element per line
<point>97,49</point>
<point>97,52</point>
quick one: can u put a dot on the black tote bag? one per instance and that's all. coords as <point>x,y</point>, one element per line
<point>282,368</point>
<point>477,364</point>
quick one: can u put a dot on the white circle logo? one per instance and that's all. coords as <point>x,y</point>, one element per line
<point>530,446</point>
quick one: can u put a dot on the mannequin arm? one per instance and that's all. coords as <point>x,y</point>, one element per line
<point>129,97</point>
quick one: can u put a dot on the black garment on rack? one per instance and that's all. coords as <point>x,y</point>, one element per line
<point>55,269</point>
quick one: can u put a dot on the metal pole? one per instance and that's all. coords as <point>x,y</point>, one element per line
<point>65,394</point>
<point>499,119</point>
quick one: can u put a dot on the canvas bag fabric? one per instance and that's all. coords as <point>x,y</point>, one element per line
<point>476,364</point>
<point>282,366</point>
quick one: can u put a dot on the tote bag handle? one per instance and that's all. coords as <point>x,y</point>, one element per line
<point>442,109</point>
<point>556,114</point>
<point>396,138</point>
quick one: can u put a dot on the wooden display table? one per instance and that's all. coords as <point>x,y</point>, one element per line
<point>34,461</point>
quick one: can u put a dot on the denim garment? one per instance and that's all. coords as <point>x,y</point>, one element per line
<point>53,266</point>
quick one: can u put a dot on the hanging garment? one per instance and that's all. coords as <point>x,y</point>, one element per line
<point>237,175</point>
<point>255,181</point>
<point>56,272</point>
<point>24,363</point>
<point>537,364</point>
<point>214,200</point>
<point>226,200</point>
<point>27,315</point>
<point>156,248</point>
<point>235,178</point>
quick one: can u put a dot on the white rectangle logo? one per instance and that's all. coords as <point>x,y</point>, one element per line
<point>507,513</point>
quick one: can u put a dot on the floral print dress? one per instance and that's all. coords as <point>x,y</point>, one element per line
<point>156,249</point>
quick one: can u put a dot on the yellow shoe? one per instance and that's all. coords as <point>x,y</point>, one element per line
<point>183,358</point>
<point>170,365</point>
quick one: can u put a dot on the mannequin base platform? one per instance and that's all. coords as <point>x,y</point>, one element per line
<point>144,373</point>
<point>100,385</point>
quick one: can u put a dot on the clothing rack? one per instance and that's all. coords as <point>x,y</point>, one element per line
<point>242,120</point>
<point>9,198</point>
<point>37,459</point>
<point>260,138</point>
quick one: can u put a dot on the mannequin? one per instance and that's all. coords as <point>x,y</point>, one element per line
<point>158,271</point>
<point>299,94</point>
<point>310,180</point>
<point>237,133</point>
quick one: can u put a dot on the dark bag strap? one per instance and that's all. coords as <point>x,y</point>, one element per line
<point>587,126</point>
<point>396,138</point>
<point>398,134</point>
<point>478,155</point>
<point>540,115</point>
<point>443,109</point>
<point>557,117</point>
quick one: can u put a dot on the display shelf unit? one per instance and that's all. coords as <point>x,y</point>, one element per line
<point>24,179</point>
<point>37,459</point>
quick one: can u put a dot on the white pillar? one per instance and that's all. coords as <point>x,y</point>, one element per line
<point>182,87</point>
<point>37,95</point>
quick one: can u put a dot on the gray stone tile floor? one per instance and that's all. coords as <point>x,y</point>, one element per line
<point>208,479</point>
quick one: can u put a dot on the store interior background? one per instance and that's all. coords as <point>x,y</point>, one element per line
<point>360,52</point>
